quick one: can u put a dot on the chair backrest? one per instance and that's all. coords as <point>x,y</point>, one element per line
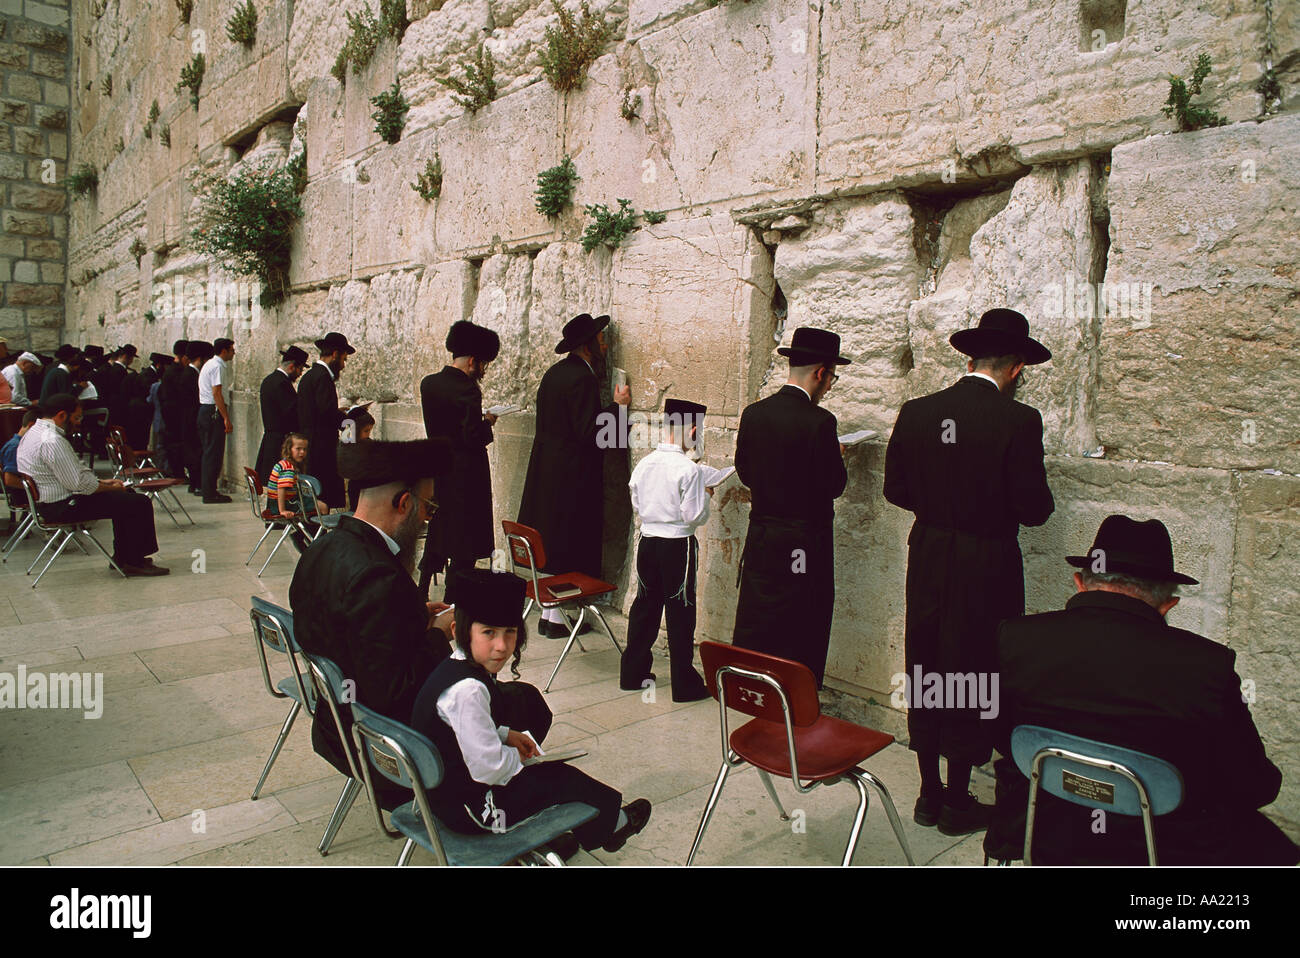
<point>273,628</point>
<point>254,491</point>
<point>1091,773</point>
<point>331,689</point>
<point>524,544</point>
<point>307,489</point>
<point>14,491</point>
<point>33,497</point>
<point>750,682</point>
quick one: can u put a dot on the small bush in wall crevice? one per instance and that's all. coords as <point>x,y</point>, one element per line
<point>1179,106</point>
<point>242,25</point>
<point>192,78</point>
<point>608,227</point>
<point>573,45</point>
<point>555,188</point>
<point>390,113</point>
<point>429,183</point>
<point>479,87</point>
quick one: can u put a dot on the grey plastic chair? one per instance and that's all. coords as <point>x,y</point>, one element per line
<point>327,679</point>
<point>273,629</point>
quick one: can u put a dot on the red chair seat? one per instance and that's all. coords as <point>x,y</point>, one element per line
<point>590,587</point>
<point>273,515</point>
<point>152,484</point>
<point>133,472</point>
<point>827,748</point>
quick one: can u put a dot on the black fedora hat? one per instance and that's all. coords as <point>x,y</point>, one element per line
<point>470,339</point>
<point>160,359</point>
<point>493,598</point>
<point>810,345</point>
<point>683,407</point>
<point>1000,332</point>
<point>1129,547</point>
<point>379,462</point>
<point>66,352</point>
<point>333,342</point>
<point>294,355</point>
<point>581,329</point>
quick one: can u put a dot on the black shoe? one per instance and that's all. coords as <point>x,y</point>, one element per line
<point>927,809</point>
<point>566,846</point>
<point>965,818</point>
<point>217,498</point>
<point>693,695</point>
<point>195,492</point>
<point>640,686</point>
<point>551,630</point>
<point>638,813</point>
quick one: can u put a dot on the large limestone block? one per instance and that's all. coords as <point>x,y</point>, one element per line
<point>854,272</point>
<point>435,46</point>
<point>251,96</point>
<point>321,249</point>
<point>566,281</point>
<point>321,122</point>
<point>1207,219</point>
<point>446,294</point>
<point>645,16</point>
<point>989,85</point>
<point>391,224</point>
<point>505,295</point>
<point>359,134</point>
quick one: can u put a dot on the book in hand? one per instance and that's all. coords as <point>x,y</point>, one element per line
<point>563,590</point>
<point>504,409</point>
<point>566,754</point>
<point>862,435</point>
<point>714,477</point>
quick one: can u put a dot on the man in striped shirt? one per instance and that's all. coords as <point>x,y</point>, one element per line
<point>69,492</point>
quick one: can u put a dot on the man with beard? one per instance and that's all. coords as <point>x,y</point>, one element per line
<point>319,415</point>
<point>279,402</point>
<point>461,532</point>
<point>352,595</point>
<point>968,461</point>
<point>563,496</point>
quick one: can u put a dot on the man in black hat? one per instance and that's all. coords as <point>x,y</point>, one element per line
<point>1109,668</point>
<point>178,395</point>
<point>788,453</point>
<point>352,595</point>
<point>58,378</point>
<point>319,415</point>
<point>563,491</point>
<point>279,402</point>
<point>461,532</point>
<point>669,496</point>
<point>968,461</point>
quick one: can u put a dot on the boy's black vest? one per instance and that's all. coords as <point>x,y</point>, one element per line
<point>458,790</point>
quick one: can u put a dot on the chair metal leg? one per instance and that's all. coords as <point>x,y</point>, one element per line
<point>25,526</point>
<point>58,534</point>
<point>405,857</point>
<point>99,545</point>
<point>708,810</point>
<point>571,626</point>
<point>284,535</point>
<point>771,791</point>
<point>346,797</point>
<point>864,799</point>
<point>157,497</point>
<point>265,532</point>
<point>184,512</point>
<point>528,607</point>
<point>66,539</point>
<point>279,744</point>
<point>573,637</point>
<point>894,821</point>
<point>608,630</point>
<point>77,542</point>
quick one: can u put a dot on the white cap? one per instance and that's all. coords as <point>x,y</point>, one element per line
<point>31,358</point>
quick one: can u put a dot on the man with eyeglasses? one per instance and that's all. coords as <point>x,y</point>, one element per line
<point>352,595</point>
<point>789,455</point>
<point>461,533</point>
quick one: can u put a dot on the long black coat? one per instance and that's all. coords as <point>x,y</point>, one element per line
<point>462,526</point>
<point>109,380</point>
<point>279,402</point>
<point>788,454</point>
<point>354,603</point>
<point>57,380</point>
<point>969,462</point>
<point>319,418</point>
<point>1109,668</point>
<point>563,498</point>
<point>178,395</point>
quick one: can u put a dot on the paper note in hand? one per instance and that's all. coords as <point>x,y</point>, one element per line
<point>862,435</point>
<point>504,409</point>
<point>568,753</point>
<point>620,376</point>
<point>715,477</point>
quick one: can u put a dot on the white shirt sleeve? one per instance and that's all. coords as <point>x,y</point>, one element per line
<point>467,707</point>
<point>695,499</point>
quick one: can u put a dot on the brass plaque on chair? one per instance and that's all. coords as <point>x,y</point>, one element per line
<point>384,762</point>
<point>1088,788</point>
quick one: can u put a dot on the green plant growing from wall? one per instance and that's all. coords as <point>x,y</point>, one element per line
<point>429,183</point>
<point>83,180</point>
<point>186,7</point>
<point>608,227</point>
<point>631,105</point>
<point>479,87</point>
<point>572,45</point>
<point>555,188</point>
<point>242,25</point>
<point>101,319</point>
<point>1179,105</point>
<point>137,249</point>
<point>390,113</point>
<point>165,135</point>
<point>392,14</point>
<point>360,46</point>
<point>246,223</point>
<point>192,78</point>
<point>154,113</point>
<point>150,315</point>
<point>297,168</point>
<point>654,217</point>
<point>106,84</point>
<point>119,146</point>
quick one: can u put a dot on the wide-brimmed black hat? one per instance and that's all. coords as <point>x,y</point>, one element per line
<point>333,342</point>
<point>1000,332</point>
<point>1130,547</point>
<point>162,359</point>
<point>66,352</point>
<point>581,329</point>
<point>379,462</point>
<point>492,598</point>
<point>294,355</point>
<point>470,339</point>
<point>93,352</point>
<point>129,349</point>
<point>683,408</point>
<point>810,345</point>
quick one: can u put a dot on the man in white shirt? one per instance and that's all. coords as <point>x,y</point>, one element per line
<point>69,492</point>
<point>669,495</point>
<point>16,375</point>
<point>214,416</point>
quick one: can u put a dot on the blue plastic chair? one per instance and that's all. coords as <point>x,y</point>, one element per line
<point>309,490</point>
<point>327,678</point>
<point>273,629</point>
<point>1095,775</point>
<point>407,757</point>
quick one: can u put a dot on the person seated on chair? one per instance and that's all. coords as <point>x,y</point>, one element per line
<point>1109,668</point>
<point>16,374</point>
<point>9,463</point>
<point>69,492</point>
<point>484,733</point>
<point>282,484</point>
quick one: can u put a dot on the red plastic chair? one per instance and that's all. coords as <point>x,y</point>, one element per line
<point>146,480</point>
<point>272,519</point>
<point>528,553</point>
<point>788,735</point>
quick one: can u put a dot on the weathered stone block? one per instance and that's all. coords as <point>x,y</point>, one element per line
<point>391,224</point>
<point>322,239</point>
<point>52,118</point>
<point>26,224</point>
<point>29,140</point>
<point>37,199</point>
<point>26,271</point>
<point>15,112</point>
<point>27,87</point>
<point>49,65</point>
<point>32,294</point>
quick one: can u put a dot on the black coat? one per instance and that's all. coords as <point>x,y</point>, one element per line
<point>968,461</point>
<point>109,380</point>
<point>279,418</point>
<point>319,418</point>
<point>135,413</point>
<point>178,395</point>
<point>1109,668</point>
<point>563,495</point>
<point>788,454</point>
<point>462,526</point>
<point>57,380</point>
<point>354,603</point>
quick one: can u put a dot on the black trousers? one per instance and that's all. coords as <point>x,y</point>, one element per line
<point>132,515</point>
<point>538,787</point>
<point>212,436</point>
<point>665,583</point>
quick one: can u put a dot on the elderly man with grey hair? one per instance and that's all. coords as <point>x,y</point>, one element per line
<point>16,374</point>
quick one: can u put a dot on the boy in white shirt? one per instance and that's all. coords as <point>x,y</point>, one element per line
<point>669,496</point>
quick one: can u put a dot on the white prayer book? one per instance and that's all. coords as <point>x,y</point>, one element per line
<point>862,435</point>
<point>714,477</point>
<point>504,409</point>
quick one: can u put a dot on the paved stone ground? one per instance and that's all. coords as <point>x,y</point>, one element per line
<point>187,725</point>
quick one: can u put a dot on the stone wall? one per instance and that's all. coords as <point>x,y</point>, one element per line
<point>33,160</point>
<point>885,170</point>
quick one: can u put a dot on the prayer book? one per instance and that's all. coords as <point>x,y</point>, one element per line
<point>862,435</point>
<point>568,753</point>
<point>563,590</point>
<point>504,409</point>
